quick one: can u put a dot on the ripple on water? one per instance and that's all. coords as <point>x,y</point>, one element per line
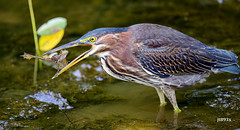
<point>228,98</point>
<point>223,97</point>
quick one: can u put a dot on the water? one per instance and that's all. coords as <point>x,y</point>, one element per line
<point>84,97</point>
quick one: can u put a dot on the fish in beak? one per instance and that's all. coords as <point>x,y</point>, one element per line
<point>76,60</point>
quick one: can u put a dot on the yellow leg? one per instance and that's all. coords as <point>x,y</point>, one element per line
<point>161,96</point>
<point>170,94</point>
<point>177,110</point>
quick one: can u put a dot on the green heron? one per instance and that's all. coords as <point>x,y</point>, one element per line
<point>153,55</point>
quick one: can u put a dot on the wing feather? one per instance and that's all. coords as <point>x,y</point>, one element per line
<point>164,51</point>
<point>165,61</point>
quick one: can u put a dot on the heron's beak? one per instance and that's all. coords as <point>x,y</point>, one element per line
<point>76,60</point>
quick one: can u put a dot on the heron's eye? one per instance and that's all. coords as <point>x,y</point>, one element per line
<point>92,39</point>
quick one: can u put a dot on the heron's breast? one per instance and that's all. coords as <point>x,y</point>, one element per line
<point>127,72</point>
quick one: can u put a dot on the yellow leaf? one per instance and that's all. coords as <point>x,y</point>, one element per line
<point>48,42</point>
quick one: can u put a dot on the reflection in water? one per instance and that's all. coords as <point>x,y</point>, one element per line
<point>78,75</point>
<point>220,1</point>
<point>233,79</point>
<point>161,119</point>
<point>3,125</point>
<point>51,98</point>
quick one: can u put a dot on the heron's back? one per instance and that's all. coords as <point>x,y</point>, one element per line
<point>178,58</point>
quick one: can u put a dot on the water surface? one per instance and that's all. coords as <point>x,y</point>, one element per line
<point>85,97</point>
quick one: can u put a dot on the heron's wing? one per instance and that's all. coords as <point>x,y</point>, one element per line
<point>164,51</point>
<point>165,57</point>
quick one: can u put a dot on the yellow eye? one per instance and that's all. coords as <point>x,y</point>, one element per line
<point>92,39</point>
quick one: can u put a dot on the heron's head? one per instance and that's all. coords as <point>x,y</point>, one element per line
<point>101,40</point>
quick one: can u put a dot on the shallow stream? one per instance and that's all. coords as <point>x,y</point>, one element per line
<point>84,97</point>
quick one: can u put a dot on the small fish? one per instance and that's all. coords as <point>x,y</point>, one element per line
<point>58,59</point>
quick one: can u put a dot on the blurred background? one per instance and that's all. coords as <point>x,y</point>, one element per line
<point>85,97</point>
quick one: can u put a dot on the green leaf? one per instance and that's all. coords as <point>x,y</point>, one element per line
<point>52,26</point>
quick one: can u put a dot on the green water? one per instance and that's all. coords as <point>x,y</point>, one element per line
<point>98,101</point>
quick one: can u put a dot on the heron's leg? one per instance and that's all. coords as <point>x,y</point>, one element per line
<point>170,94</point>
<point>161,97</point>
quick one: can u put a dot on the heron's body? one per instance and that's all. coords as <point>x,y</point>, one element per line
<point>156,56</point>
